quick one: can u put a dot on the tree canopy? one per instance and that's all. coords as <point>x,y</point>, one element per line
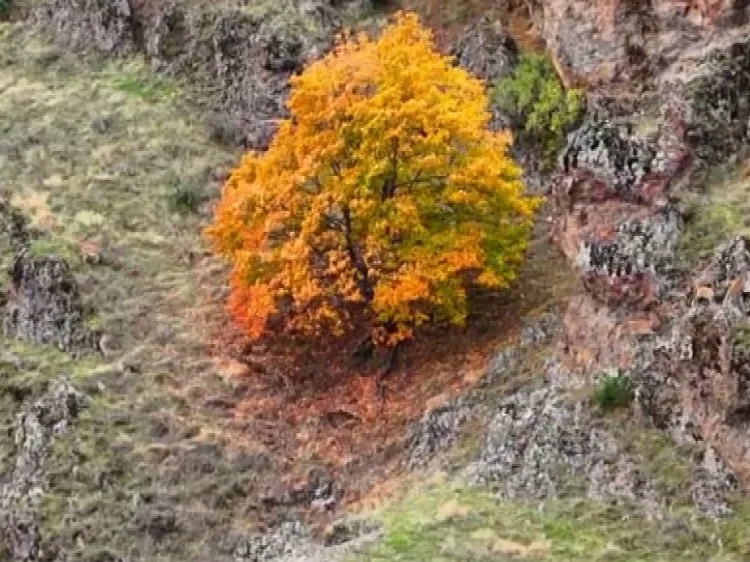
<point>383,194</point>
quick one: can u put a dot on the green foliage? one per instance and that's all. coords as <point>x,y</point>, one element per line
<point>536,99</point>
<point>5,7</point>
<point>614,390</point>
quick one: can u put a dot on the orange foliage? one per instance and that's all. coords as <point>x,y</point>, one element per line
<point>383,191</point>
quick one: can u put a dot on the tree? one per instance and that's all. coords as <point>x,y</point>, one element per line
<point>383,194</point>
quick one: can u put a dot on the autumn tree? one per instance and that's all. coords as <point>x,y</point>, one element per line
<point>384,193</point>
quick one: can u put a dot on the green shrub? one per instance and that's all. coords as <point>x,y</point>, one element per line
<point>185,198</point>
<point>613,390</point>
<point>5,6</point>
<point>535,98</point>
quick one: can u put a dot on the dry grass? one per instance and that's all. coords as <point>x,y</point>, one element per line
<point>90,152</point>
<point>719,212</point>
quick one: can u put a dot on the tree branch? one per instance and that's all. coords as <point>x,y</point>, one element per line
<point>389,186</point>
<point>365,287</point>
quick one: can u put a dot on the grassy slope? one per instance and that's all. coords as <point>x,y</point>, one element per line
<point>105,159</point>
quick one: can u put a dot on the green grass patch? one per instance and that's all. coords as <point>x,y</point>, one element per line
<point>715,214</point>
<point>455,523</point>
<point>145,87</point>
<point>740,335</point>
<point>185,198</point>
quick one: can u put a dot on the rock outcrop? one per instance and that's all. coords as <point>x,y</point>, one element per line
<point>36,427</point>
<point>40,300</point>
<point>240,58</point>
<point>541,446</point>
<point>629,43</point>
<point>105,25</point>
<point>486,50</point>
<point>43,303</point>
<point>678,332</point>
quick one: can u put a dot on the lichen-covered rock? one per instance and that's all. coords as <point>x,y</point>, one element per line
<point>35,428</point>
<point>540,446</point>
<point>437,430</point>
<point>630,263</point>
<point>710,105</point>
<point>43,303</point>
<point>440,427</point>
<point>292,542</point>
<point>728,278</point>
<point>14,238</point>
<point>332,14</point>
<point>618,225</point>
<point>281,542</point>
<point>347,530</point>
<point>486,50</point>
<point>637,246</point>
<point>604,160</point>
<point>104,25</point>
<point>712,485</point>
<point>693,378</point>
<point>543,329</point>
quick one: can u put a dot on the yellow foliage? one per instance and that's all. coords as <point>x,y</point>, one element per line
<point>384,188</point>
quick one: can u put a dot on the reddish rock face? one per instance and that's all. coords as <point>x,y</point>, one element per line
<point>675,331</point>
<point>629,39</point>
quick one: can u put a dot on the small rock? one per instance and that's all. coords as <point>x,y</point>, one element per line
<point>158,522</point>
<point>102,124</point>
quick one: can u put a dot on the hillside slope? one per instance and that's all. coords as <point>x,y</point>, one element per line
<point>137,425</point>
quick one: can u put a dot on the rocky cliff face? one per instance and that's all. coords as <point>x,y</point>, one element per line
<point>668,323</point>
